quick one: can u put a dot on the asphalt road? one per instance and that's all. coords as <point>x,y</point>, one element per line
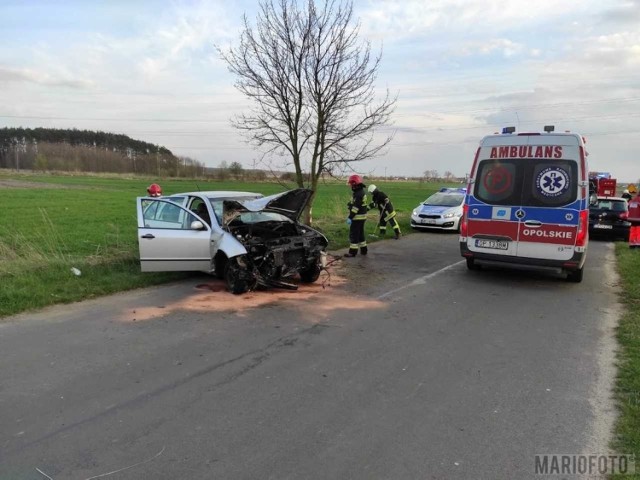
<point>404,366</point>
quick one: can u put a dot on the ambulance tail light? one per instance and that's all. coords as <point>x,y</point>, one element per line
<point>583,229</point>
<point>624,215</point>
<point>464,226</point>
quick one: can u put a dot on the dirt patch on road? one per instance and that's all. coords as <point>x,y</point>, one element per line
<point>313,301</point>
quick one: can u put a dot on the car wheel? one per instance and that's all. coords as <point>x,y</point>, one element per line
<point>575,275</point>
<point>310,274</point>
<point>239,280</point>
<point>471,264</point>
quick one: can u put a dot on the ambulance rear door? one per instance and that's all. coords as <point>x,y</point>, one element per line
<point>550,211</point>
<point>553,196</point>
<point>492,203</point>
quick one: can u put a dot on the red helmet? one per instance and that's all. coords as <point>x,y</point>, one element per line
<point>154,190</point>
<point>354,180</point>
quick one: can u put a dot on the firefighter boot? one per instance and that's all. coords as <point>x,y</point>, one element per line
<point>398,234</point>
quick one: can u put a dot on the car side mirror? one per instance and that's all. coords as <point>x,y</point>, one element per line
<point>197,225</point>
<point>593,200</point>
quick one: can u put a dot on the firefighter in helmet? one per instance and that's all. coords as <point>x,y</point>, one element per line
<point>154,190</point>
<point>357,216</point>
<point>380,200</point>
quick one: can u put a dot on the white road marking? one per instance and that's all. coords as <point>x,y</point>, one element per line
<point>420,281</point>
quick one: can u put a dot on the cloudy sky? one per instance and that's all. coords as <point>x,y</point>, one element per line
<point>461,68</point>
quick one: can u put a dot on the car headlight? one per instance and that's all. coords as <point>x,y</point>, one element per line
<point>415,212</point>
<point>449,215</point>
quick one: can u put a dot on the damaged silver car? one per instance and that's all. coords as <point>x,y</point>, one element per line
<point>242,237</point>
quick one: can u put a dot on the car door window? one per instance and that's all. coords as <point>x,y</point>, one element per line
<point>200,208</point>
<point>217,210</point>
<point>166,215</point>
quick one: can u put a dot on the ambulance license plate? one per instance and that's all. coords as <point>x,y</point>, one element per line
<point>428,221</point>
<point>495,244</point>
<point>605,227</point>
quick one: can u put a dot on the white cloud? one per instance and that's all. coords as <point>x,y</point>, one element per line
<point>504,46</point>
<point>406,18</point>
<point>40,77</point>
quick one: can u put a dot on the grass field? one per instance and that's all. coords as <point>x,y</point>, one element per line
<point>51,223</point>
<point>627,439</point>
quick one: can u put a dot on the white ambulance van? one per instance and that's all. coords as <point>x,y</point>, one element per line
<point>527,203</point>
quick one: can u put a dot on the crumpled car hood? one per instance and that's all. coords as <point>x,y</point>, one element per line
<point>291,204</point>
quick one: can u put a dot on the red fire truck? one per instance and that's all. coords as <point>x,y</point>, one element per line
<point>602,184</point>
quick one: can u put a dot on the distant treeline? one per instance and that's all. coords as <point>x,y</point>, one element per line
<point>49,149</point>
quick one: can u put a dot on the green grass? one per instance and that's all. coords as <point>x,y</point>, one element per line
<point>627,437</point>
<point>89,222</point>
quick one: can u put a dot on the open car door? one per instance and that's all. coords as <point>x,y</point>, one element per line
<point>171,238</point>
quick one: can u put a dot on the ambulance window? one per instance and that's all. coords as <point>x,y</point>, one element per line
<point>551,184</point>
<point>497,180</point>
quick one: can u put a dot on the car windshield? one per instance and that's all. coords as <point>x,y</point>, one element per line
<point>259,217</point>
<point>613,205</point>
<point>216,204</point>
<point>445,199</point>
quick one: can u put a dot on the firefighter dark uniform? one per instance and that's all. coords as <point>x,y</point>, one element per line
<point>357,216</point>
<point>380,200</point>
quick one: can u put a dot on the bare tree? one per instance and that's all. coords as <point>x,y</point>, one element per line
<point>312,85</point>
<point>431,175</point>
<point>222,172</point>
<point>236,169</point>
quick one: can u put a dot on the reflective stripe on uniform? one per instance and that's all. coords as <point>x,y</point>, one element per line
<point>362,244</point>
<point>359,217</point>
<point>354,209</point>
<point>353,246</point>
<point>390,216</point>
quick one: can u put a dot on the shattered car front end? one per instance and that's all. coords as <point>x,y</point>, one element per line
<point>278,247</point>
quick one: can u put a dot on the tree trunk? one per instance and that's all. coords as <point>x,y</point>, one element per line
<point>306,215</point>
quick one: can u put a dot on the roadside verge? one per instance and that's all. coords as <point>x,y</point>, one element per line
<point>627,390</point>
